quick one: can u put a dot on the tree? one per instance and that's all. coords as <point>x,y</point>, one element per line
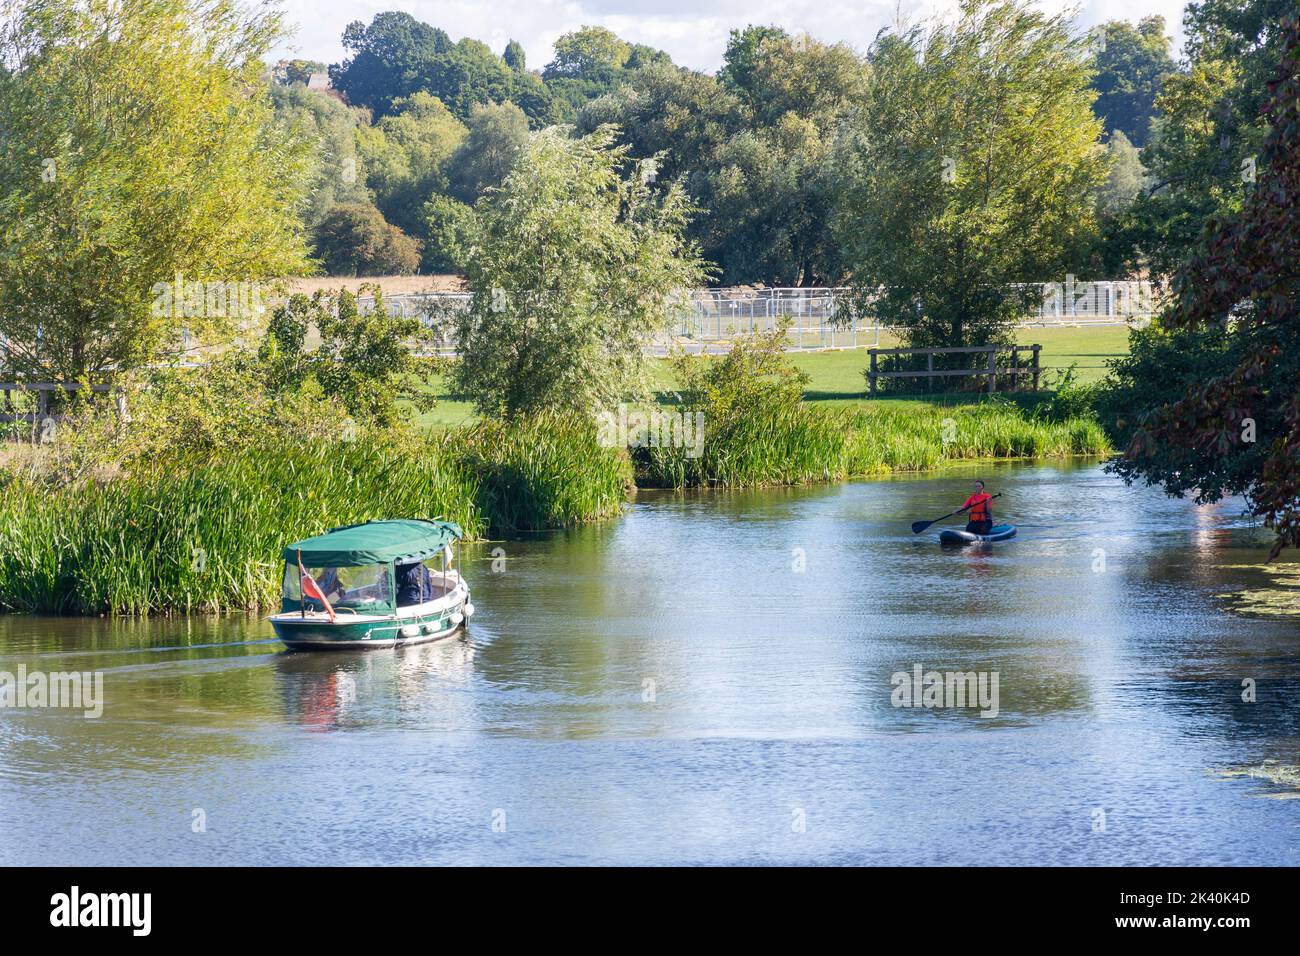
<point>802,76</point>
<point>447,223</point>
<point>387,59</point>
<point>971,166</point>
<point>772,191</point>
<point>487,153</point>
<point>675,116</point>
<point>365,359</point>
<point>756,149</point>
<point>745,49</point>
<point>1116,251</point>
<point>588,53</point>
<point>352,239</point>
<point>114,181</point>
<point>1206,140</point>
<point>295,72</point>
<point>398,56</point>
<point>572,266</point>
<point>514,57</point>
<point>338,172</point>
<point>1131,64</point>
<point>405,153</point>
<point>593,61</point>
<point>1209,404</point>
<point>1126,177</point>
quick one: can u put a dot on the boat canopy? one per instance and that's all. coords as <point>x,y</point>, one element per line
<point>375,542</point>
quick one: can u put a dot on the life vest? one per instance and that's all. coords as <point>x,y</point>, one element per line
<point>979,507</point>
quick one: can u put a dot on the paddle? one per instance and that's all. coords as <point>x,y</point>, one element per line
<point>919,526</point>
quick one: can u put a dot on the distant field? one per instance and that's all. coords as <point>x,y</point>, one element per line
<point>837,376</point>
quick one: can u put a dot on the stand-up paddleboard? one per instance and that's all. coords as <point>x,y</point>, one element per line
<point>999,532</point>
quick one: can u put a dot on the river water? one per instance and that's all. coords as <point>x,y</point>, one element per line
<point>710,679</point>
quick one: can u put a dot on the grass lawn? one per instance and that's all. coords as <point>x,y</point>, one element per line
<point>836,376</point>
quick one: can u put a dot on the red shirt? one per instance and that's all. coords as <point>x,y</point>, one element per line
<point>978,505</point>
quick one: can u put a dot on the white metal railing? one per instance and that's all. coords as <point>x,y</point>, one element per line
<point>819,314</point>
<point>716,316</point>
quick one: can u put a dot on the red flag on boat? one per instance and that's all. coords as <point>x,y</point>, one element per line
<point>311,589</point>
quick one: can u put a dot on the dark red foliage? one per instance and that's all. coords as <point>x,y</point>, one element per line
<point>1247,276</point>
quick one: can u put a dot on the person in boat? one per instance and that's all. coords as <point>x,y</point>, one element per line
<point>414,584</point>
<point>331,586</point>
<point>980,518</point>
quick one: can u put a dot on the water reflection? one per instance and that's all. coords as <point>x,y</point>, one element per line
<point>335,690</point>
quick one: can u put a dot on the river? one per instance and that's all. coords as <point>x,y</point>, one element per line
<point>710,679</point>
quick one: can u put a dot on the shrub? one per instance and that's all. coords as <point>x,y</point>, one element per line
<point>353,239</point>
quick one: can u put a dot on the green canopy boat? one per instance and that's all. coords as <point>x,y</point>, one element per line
<point>378,584</point>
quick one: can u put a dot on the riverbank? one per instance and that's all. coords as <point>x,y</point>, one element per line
<point>203,532</point>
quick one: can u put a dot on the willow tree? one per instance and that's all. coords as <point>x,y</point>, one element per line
<point>971,164</point>
<point>574,262</point>
<point>138,147</point>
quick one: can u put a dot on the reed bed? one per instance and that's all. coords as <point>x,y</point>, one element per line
<point>206,535</point>
<point>807,443</point>
<point>542,472</point>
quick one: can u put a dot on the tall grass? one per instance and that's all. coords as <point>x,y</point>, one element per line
<point>810,443</point>
<point>904,439</point>
<point>544,471</point>
<point>207,535</point>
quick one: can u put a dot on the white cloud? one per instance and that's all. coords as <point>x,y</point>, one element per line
<point>694,32</point>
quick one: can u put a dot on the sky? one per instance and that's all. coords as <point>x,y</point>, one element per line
<point>694,32</point>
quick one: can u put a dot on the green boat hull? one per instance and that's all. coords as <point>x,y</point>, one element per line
<point>316,633</point>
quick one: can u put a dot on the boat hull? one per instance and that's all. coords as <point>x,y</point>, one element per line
<point>999,532</point>
<point>316,633</point>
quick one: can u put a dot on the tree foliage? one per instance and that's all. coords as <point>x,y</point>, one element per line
<point>447,223</point>
<point>365,358</point>
<point>406,152</point>
<point>593,61</point>
<point>1131,65</point>
<point>972,165</point>
<point>138,145</point>
<point>514,57</point>
<point>397,56</point>
<point>754,149</point>
<point>1205,143</point>
<point>487,153</point>
<point>352,239</point>
<point>1209,404</point>
<point>337,168</point>
<point>572,264</point>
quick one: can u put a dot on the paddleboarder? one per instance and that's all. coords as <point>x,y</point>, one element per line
<point>980,519</point>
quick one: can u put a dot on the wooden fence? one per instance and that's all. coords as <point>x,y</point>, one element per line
<point>988,367</point>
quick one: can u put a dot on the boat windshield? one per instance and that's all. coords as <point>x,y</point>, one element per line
<point>361,587</point>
